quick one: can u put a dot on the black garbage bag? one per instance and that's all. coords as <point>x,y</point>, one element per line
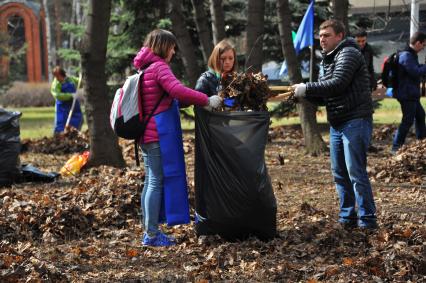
<point>10,145</point>
<point>32,174</point>
<point>233,191</point>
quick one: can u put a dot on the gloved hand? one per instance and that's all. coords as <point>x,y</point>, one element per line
<point>74,95</point>
<point>215,101</point>
<point>300,90</point>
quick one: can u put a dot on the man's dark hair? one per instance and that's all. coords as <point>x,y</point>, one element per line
<point>417,36</point>
<point>336,25</point>
<point>360,33</point>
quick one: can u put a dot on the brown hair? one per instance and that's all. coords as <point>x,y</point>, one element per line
<point>160,41</point>
<point>360,33</point>
<point>59,71</point>
<point>214,59</point>
<point>417,36</point>
<point>336,25</point>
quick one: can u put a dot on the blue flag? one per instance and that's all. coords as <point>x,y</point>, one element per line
<point>305,34</point>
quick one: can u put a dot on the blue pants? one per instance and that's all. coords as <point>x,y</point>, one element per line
<point>62,109</point>
<point>412,112</point>
<point>348,153</point>
<point>151,198</point>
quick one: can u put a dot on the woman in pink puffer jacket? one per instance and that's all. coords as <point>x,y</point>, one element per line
<point>154,57</point>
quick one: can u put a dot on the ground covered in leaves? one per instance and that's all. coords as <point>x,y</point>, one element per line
<point>87,227</point>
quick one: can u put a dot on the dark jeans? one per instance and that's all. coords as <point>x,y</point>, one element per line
<point>348,154</point>
<point>412,112</point>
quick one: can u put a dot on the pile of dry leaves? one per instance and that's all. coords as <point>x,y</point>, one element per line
<point>383,132</point>
<point>71,141</point>
<point>104,197</point>
<point>408,165</point>
<point>87,228</point>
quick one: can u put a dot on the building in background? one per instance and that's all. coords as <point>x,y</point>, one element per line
<point>388,25</point>
<point>23,29</point>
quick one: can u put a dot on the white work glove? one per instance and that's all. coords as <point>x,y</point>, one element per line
<point>300,90</point>
<point>215,101</point>
<point>74,95</point>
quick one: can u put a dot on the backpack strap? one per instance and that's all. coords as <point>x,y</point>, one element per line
<point>145,123</point>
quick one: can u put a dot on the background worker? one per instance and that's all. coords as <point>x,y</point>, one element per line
<point>64,90</point>
<point>367,52</point>
<point>408,94</point>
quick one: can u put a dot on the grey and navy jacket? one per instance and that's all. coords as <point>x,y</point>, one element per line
<point>208,83</point>
<point>409,75</point>
<point>343,84</point>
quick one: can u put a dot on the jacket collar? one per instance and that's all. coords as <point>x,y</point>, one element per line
<point>213,72</point>
<point>145,57</point>
<point>349,41</point>
<point>409,49</point>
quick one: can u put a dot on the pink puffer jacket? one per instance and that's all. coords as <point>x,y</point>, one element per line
<point>158,77</point>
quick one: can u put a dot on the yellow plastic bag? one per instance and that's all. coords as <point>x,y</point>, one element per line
<point>74,164</point>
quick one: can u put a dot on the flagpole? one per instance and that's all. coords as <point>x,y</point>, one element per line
<point>312,49</point>
<point>311,65</point>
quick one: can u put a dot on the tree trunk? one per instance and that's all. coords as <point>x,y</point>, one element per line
<point>162,8</point>
<point>184,42</point>
<point>254,35</point>
<point>307,111</point>
<point>73,21</point>
<point>284,27</point>
<point>50,48</point>
<point>58,39</point>
<point>104,149</point>
<point>314,143</point>
<point>340,11</point>
<point>203,29</point>
<point>218,20</point>
<point>80,18</point>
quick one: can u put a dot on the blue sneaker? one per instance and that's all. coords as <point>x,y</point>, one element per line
<point>161,240</point>
<point>167,237</point>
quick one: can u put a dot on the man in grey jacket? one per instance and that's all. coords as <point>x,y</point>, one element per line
<point>344,88</point>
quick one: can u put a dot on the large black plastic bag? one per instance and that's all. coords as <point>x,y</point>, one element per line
<point>33,174</point>
<point>233,192</point>
<point>10,145</point>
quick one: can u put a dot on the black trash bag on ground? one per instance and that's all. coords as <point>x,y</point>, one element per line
<point>233,191</point>
<point>32,174</point>
<point>10,145</point>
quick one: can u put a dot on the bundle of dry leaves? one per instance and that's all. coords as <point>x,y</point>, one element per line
<point>249,92</point>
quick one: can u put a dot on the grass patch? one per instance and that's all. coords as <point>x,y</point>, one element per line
<point>37,122</point>
<point>389,112</point>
